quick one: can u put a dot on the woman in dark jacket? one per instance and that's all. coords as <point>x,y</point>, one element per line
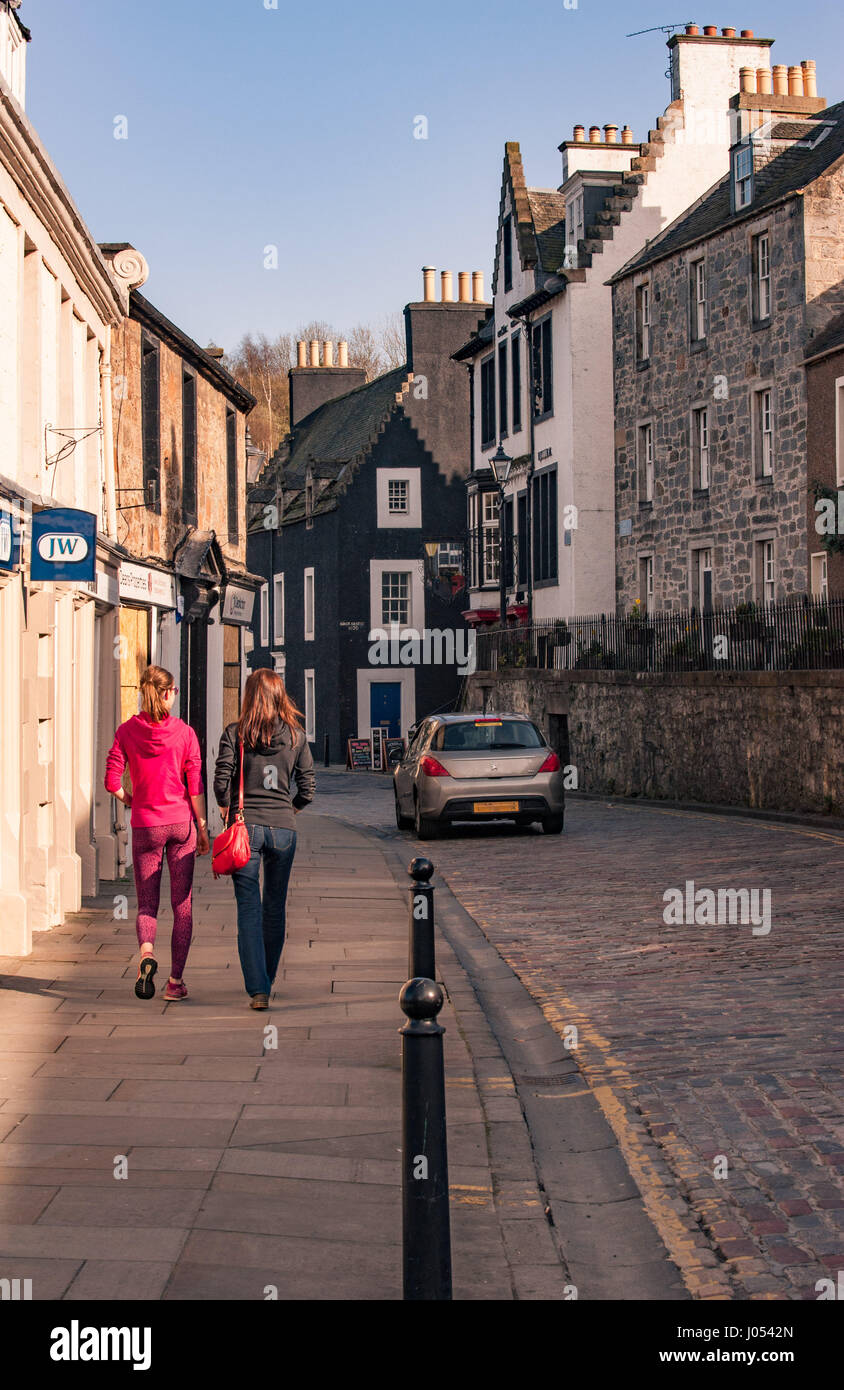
<point>275,752</point>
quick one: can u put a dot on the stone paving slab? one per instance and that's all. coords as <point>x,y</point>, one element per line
<point>247,1167</point>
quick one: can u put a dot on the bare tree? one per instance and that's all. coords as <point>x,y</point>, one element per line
<point>391,340</point>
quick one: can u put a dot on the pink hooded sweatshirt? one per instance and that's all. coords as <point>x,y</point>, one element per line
<point>160,757</point>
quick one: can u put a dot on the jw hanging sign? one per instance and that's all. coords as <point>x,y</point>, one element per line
<point>64,546</point>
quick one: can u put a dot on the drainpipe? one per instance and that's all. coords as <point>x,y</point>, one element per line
<point>531,402</point>
<point>108,436</point>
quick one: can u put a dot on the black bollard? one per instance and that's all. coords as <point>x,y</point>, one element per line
<point>327,763</point>
<point>420,952</point>
<point>426,1227</point>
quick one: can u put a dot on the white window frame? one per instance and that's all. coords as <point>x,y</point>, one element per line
<point>645,456</point>
<point>310,705</point>
<point>264,609</point>
<point>819,574</point>
<point>700,451</point>
<point>415,569</point>
<point>763,276</point>
<point>646,571</point>
<point>763,430</point>
<point>743,176</point>
<point>699,306</point>
<point>642,296</point>
<point>278,627</point>
<point>309,593</point>
<point>490,538</point>
<point>701,557</point>
<point>574,219</point>
<point>766,573</point>
<point>402,599</point>
<point>412,518</point>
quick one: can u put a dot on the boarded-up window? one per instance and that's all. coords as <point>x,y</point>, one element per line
<point>134,657</point>
<point>231,673</point>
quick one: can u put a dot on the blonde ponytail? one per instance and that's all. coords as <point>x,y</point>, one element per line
<point>155,682</point>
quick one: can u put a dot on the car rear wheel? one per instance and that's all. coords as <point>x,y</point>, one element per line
<point>425,828</point>
<point>403,822</point>
<point>552,825</point>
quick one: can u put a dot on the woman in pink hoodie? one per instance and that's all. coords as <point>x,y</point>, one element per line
<point>165,767</point>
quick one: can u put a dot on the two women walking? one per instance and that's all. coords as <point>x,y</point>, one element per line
<point>168,818</point>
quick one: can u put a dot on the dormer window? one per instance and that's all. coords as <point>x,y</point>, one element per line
<point>743,176</point>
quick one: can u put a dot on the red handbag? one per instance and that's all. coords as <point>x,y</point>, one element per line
<point>232,849</point>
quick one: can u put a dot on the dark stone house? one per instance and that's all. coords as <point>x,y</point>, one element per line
<point>713,321</point>
<point>357,528</point>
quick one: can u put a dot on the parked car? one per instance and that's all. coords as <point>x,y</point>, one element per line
<point>476,767</point>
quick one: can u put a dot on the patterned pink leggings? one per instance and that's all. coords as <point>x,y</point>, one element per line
<point>148,845</point>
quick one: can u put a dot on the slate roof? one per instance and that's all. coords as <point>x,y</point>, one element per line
<point>479,341</point>
<point>330,441</point>
<point>828,339</point>
<point>785,176</point>
<point>548,208</point>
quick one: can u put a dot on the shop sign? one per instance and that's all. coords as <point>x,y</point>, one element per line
<point>146,585</point>
<point>64,546</point>
<point>237,604</point>
<point>10,541</point>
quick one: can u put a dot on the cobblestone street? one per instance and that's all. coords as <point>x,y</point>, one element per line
<point>714,1052</point>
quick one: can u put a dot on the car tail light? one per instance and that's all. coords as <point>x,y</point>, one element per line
<point>551,764</point>
<point>431,767</point>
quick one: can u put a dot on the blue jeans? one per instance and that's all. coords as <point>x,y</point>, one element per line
<point>260,925</point>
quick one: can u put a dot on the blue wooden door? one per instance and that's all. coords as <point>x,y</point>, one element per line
<point>385,707</point>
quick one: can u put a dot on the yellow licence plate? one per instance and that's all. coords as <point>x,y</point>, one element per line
<point>493,808</point>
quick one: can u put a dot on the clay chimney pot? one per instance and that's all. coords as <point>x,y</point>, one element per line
<point>780,74</point>
<point>747,79</point>
<point>477,287</point>
<point>464,293</point>
<point>795,81</point>
<point>764,80</point>
<point>710,30</point>
<point>610,134</point>
<point>429,293</point>
<point>314,352</point>
<point>327,353</point>
<point>692,29</point>
<point>595,134</point>
<point>627,136</point>
<point>728,33</point>
<point>342,353</point>
<point>810,85</point>
<point>447,295</point>
<point>747,33</point>
<point>301,353</point>
<point>579,133</point>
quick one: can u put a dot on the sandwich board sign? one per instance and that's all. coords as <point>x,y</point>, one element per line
<point>64,546</point>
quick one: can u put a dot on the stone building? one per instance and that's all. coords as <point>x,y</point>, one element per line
<point>541,367</point>
<point>825,455</point>
<point>712,321</point>
<point>358,526</point>
<point>60,311</point>
<point>186,597</point>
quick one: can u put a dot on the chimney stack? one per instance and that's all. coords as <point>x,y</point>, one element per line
<point>301,354</point>
<point>810,84</point>
<point>610,134</point>
<point>429,292</point>
<point>477,287</point>
<point>464,293</point>
<point>314,352</point>
<point>328,354</point>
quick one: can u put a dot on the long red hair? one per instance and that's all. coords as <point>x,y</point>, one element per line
<point>265,699</point>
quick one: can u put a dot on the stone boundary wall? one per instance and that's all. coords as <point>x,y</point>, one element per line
<point>764,739</point>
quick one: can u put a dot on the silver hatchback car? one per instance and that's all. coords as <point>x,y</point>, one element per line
<point>474,767</point>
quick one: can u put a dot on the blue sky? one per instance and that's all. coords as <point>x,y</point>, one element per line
<point>293,127</point>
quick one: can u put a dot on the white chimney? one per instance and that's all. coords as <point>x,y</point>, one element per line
<point>342,353</point>
<point>447,287</point>
<point>301,353</point>
<point>477,287</point>
<point>314,352</point>
<point>328,354</point>
<point>429,292</point>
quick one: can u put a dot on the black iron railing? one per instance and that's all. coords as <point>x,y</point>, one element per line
<point>801,634</point>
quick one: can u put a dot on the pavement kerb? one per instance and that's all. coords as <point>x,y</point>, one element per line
<point>498,1017</point>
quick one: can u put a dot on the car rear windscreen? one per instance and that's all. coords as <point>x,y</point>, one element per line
<point>483,735</point>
